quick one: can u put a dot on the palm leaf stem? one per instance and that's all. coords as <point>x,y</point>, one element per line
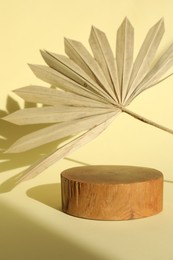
<point>145,120</point>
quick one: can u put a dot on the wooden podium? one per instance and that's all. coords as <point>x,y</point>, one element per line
<point>111,192</point>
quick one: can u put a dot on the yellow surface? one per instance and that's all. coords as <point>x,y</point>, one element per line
<point>32,225</point>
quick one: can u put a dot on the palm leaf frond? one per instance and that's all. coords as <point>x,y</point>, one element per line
<point>58,131</point>
<point>157,72</point>
<point>63,151</point>
<point>104,56</point>
<point>54,114</point>
<point>124,55</point>
<point>78,53</point>
<point>88,92</point>
<point>60,81</point>
<point>54,97</point>
<point>145,56</point>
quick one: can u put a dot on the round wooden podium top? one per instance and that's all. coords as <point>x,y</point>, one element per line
<point>111,174</point>
<point>108,192</point>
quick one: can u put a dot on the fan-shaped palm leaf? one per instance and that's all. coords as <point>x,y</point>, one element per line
<point>88,92</point>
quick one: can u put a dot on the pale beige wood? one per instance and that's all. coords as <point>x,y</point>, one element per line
<point>112,192</point>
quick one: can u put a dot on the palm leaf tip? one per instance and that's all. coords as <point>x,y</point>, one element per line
<point>104,56</point>
<point>145,56</point>
<point>156,74</point>
<point>124,55</point>
<point>33,68</point>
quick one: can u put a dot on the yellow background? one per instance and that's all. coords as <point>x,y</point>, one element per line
<point>26,27</point>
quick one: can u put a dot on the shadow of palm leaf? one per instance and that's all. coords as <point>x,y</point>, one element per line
<point>9,133</point>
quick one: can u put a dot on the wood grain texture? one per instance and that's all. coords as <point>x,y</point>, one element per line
<point>112,192</point>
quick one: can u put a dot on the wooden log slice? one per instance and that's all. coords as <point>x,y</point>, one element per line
<point>111,192</point>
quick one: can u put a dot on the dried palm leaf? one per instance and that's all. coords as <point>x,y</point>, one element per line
<point>88,92</point>
<point>59,131</point>
<point>55,97</point>
<point>124,55</point>
<point>105,58</point>
<point>54,114</point>
<point>60,153</point>
<point>145,56</point>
